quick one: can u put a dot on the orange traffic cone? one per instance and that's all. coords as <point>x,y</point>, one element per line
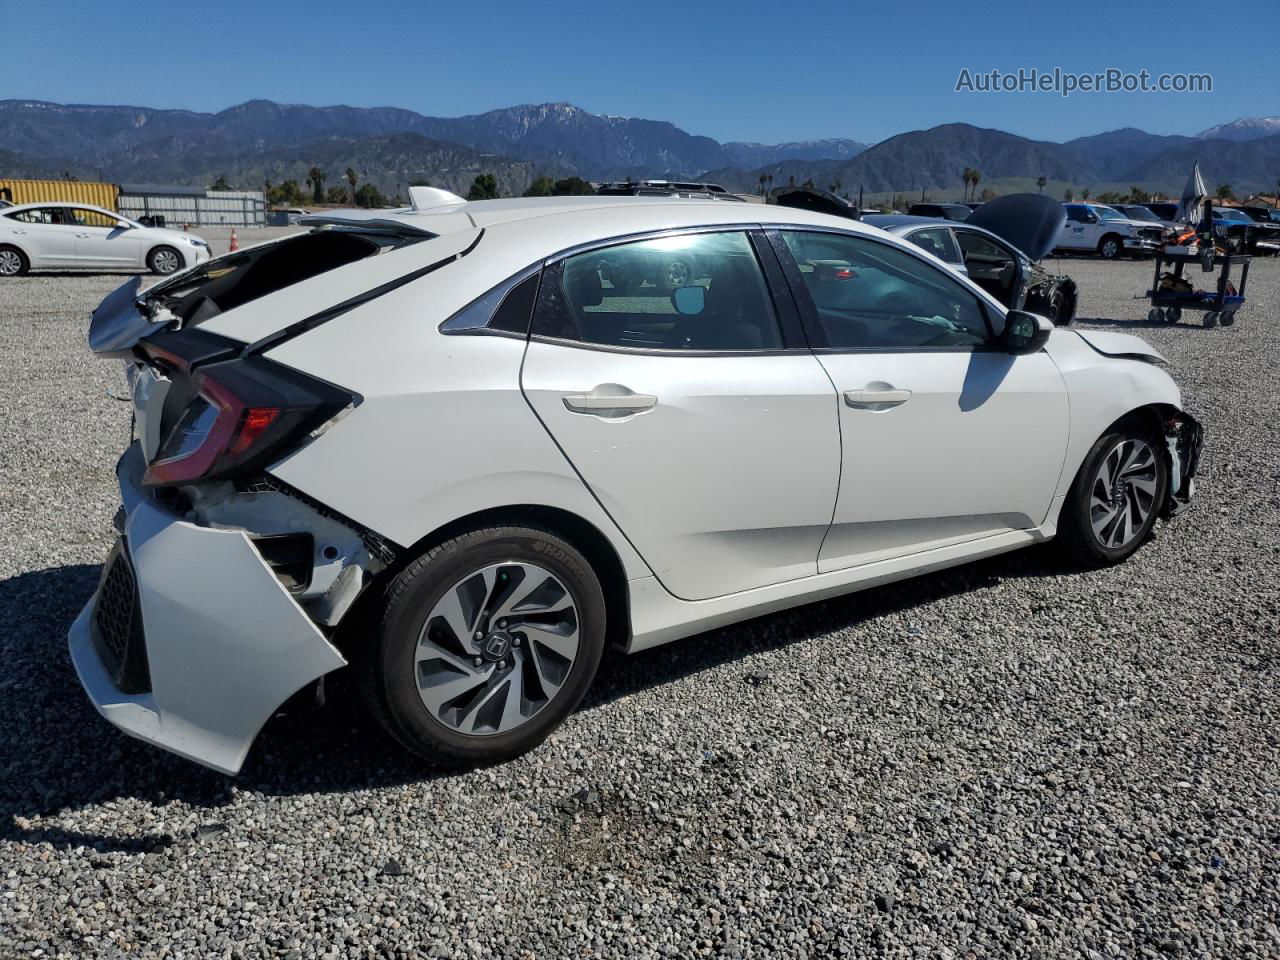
<point>235,244</point>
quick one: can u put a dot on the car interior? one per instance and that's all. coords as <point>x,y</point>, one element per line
<point>991,266</point>
<point>870,295</point>
<point>623,297</point>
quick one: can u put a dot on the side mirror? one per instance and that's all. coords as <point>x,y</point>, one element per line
<point>123,225</point>
<point>1024,332</point>
<point>689,301</point>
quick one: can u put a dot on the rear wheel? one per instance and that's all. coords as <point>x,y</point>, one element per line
<point>486,643</point>
<point>1115,498</point>
<point>13,262</point>
<point>164,261</point>
<point>1227,318</point>
<point>1210,319</point>
<point>1173,314</point>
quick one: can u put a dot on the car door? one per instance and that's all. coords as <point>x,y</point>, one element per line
<point>46,234</point>
<point>690,405</point>
<point>946,439</point>
<point>100,242</point>
<point>1081,228</point>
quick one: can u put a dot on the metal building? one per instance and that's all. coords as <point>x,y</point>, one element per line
<point>60,191</point>
<point>172,206</point>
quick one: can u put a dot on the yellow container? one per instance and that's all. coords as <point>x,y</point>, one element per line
<point>60,191</point>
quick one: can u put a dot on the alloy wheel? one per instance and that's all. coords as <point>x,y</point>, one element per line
<point>1123,494</point>
<point>496,648</point>
<point>165,261</point>
<point>10,263</point>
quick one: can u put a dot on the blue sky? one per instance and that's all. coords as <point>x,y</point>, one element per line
<point>730,70</point>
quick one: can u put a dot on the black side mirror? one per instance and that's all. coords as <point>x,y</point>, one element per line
<point>1024,332</point>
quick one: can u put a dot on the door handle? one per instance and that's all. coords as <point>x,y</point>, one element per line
<point>82,236</point>
<point>20,233</point>
<point>876,399</point>
<point>609,399</point>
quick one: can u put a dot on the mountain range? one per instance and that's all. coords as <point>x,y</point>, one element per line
<point>261,140</point>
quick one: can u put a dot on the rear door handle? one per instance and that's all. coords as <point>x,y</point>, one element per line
<point>876,399</point>
<point>602,402</point>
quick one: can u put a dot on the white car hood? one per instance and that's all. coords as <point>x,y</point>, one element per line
<point>1120,344</point>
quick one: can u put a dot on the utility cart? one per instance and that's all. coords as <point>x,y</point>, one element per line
<point>1167,305</point>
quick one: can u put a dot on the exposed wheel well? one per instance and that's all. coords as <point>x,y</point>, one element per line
<point>585,536</point>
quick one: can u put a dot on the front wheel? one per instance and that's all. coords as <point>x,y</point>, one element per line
<point>164,261</point>
<point>1115,498</point>
<point>1110,248</point>
<point>486,643</point>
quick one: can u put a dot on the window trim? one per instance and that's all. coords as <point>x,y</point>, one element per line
<point>790,326</point>
<point>500,291</point>
<point>991,309</point>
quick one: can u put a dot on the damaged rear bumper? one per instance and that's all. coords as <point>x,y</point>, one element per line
<point>1185,438</point>
<point>191,642</point>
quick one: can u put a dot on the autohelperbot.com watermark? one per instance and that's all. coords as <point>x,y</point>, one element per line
<point>1066,82</point>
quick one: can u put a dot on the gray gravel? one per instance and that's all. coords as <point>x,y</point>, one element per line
<point>1002,760</point>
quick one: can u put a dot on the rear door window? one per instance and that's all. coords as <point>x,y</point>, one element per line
<point>701,291</point>
<point>939,242</point>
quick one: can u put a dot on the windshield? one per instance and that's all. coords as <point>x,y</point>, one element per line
<point>1106,213</point>
<point>1234,216</point>
<point>1140,213</point>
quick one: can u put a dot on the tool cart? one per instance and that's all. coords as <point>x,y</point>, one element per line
<point>1168,303</point>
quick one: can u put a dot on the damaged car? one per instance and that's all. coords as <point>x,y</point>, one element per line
<point>1000,248</point>
<point>439,447</point>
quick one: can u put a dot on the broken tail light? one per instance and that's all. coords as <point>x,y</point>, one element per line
<point>243,414</point>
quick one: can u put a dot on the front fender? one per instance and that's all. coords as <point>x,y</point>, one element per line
<point>1102,389</point>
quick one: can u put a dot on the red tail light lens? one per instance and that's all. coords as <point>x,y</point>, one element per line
<point>244,414</point>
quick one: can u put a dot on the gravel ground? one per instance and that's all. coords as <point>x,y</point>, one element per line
<point>1002,760</point>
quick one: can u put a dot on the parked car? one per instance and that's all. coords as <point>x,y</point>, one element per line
<point>1166,211</point>
<point>45,235</point>
<point>947,211</point>
<point>1137,212</point>
<point>438,445</point>
<point>666,188</point>
<point>1098,228</point>
<point>1003,261</point>
<point>1263,214</point>
<point>1243,232</point>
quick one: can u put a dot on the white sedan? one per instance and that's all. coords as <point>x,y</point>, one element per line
<point>39,236</point>
<point>461,447</point>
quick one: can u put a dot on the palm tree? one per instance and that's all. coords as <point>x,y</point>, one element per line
<point>771,183</point>
<point>976,177</point>
<point>1084,194</point>
<point>966,175</point>
<point>352,177</point>
<point>315,180</point>
<point>1040,182</point>
<point>763,178</point>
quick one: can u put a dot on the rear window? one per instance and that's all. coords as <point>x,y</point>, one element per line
<point>229,282</point>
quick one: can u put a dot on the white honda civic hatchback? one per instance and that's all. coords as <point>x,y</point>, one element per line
<point>463,446</point>
<point>39,236</point>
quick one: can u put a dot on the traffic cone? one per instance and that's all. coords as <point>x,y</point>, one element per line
<point>235,244</point>
<point>186,227</point>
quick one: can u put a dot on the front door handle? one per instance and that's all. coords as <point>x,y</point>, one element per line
<point>610,399</point>
<point>876,399</point>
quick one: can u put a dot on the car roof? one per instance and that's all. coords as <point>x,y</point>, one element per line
<point>621,215</point>
<point>59,203</point>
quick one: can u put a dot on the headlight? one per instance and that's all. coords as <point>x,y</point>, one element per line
<point>195,241</point>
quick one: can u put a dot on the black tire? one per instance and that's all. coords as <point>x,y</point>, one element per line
<point>1210,319</point>
<point>1076,537</point>
<point>1227,318</point>
<point>164,261</point>
<point>13,262</point>
<point>1110,247</point>
<point>385,671</point>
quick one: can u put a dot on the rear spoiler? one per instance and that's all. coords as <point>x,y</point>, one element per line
<point>395,228</point>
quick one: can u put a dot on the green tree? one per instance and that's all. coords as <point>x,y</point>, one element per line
<point>1040,182</point>
<point>572,187</point>
<point>1084,194</point>
<point>1069,195</point>
<point>352,177</point>
<point>763,177</point>
<point>967,176</point>
<point>369,196</point>
<point>1224,192</point>
<point>988,194</point>
<point>485,187</point>
<point>315,180</point>
<point>220,183</point>
<point>337,196</point>
<point>541,187</point>
<point>976,177</point>
<point>1138,195</point>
